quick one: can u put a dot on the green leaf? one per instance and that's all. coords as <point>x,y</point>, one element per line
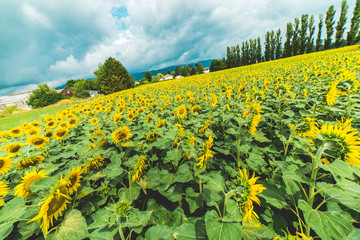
<point>104,233</point>
<point>255,162</point>
<point>158,232</point>
<point>354,235</point>
<point>71,228</point>
<point>275,195</point>
<point>184,174</point>
<point>193,199</point>
<point>173,156</point>
<point>13,210</point>
<point>328,224</point>
<point>217,229</point>
<point>260,137</point>
<point>189,231</point>
<point>44,183</point>
<point>5,229</point>
<point>339,169</point>
<point>101,219</point>
<point>138,218</point>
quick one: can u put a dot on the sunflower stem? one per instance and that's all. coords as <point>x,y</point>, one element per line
<point>314,171</point>
<point>227,197</point>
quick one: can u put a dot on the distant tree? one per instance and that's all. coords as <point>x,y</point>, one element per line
<point>168,72</point>
<point>44,96</point>
<point>303,32</point>
<point>353,34</point>
<point>215,65</point>
<point>340,27</point>
<point>160,75</point>
<point>237,57</point>
<point>329,22</point>
<point>177,70</point>
<point>222,64</point>
<point>258,50</point>
<point>183,71</point>
<point>252,51</point>
<point>245,53</point>
<point>113,77</point>
<point>228,57</point>
<point>143,81</point>
<point>173,73</point>
<point>318,39</point>
<point>267,46</point>
<point>81,89</point>
<point>287,52</point>
<point>296,39</point>
<point>272,45</point>
<point>148,76</point>
<point>192,70</point>
<point>278,44</point>
<point>70,83</point>
<point>154,79</point>
<point>310,40</point>
<point>199,68</point>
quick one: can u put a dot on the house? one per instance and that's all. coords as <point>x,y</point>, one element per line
<point>206,70</point>
<point>178,76</point>
<point>93,93</point>
<point>166,77</point>
<point>67,92</point>
<point>18,99</point>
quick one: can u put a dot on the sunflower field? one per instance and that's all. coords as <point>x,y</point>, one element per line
<point>267,151</point>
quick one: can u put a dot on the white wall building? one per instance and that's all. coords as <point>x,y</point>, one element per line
<point>19,99</point>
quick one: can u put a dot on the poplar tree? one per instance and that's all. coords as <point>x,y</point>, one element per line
<point>267,46</point>
<point>278,44</point>
<point>310,42</point>
<point>272,45</point>
<point>296,38</point>
<point>353,34</point>
<point>318,39</point>
<point>303,33</point>
<point>258,50</point>
<point>287,52</point>
<point>329,22</point>
<point>340,27</point>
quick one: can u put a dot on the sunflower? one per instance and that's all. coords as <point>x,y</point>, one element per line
<point>103,143</point>
<point>13,149</point>
<point>74,179</point>
<point>161,123</point>
<point>254,123</point>
<point>38,141</point>
<point>53,206</point>
<point>130,116</point>
<point>195,109</point>
<point>33,131</point>
<point>149,117</point>
<point>51,124</point>
<point>60,133</point>
<point>206,154</point>
<point>29,162</point>
<point>152,136</point>
<point>181,112</point>
<point>48,118</point>
<point>250,190</point>
<point>94,163</point>
<point>117,117</point>
<point>15,132</point>
<point>49,134</point>
<point>36,123</point>
<point>121,134</point>
<point>332,94</point>
<point>214,100</point>
<point>94,121</point>
<point>23,189</point>
<point>4,189</point>
<point>140,166</point>
<point>5,164</point>
<point>64,124</point>
<point>344,140</point>
<point>306,127</point>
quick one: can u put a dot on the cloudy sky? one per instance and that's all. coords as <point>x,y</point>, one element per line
<point>53,41</point>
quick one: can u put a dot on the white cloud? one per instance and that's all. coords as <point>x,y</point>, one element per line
<point>35,17</point>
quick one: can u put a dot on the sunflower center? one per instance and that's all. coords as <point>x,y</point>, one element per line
<point>16,131</point>
<point>38,141</point>
<point>72,179</point>
<point>61,133</point>
<point>51,124</point>
<point>2,163</point>
<point>56,204</point>
<point>15,148</point>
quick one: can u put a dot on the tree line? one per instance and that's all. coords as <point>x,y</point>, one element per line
<point>299,39</point>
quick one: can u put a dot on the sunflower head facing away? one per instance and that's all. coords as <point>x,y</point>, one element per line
<point>306,127</point>
<point>5,164</point>
<point>23,189</point>
<point>4,189</point>
<point>344,142</point>
<point>29,162</point>
<point>122,134</point>
<point>249,192</point>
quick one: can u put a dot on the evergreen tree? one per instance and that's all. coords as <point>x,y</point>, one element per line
<point>310,42</point>
<point>267,46</point>
<point>329,22</point>
<point>177,70</point>
<point>44,96</point>
<point>296,39</point>
<point>81,89</point>
<point>258,50</point>
<point>238,58</point>
<point>287,52</point>
<point>215,65</point>
<point>183,71</point>
<point>353,34</point>
<point>340,27</point>
<point>228,57</point>
<point>113,77</point>
<point>199,68</point>
<point>148,76</point>
<point>303,32</point>
<point>278,44</point>
<point>318,38</point>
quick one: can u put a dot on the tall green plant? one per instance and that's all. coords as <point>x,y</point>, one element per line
<point>340,27</point>
<point>329,22</point>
